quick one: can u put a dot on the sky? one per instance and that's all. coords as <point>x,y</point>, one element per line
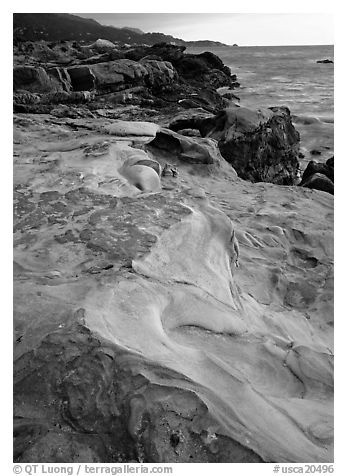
<point>244,29</point>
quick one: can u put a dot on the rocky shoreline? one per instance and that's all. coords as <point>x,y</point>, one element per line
<point>137,338</point>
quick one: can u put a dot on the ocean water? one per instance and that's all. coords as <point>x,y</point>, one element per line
<point>289,76</point>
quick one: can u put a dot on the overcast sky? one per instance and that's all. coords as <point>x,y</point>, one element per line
<point>241,28</point>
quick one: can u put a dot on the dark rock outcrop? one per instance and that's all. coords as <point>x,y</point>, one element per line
<point>164,51</point>
<point>262,146</point>
<point>314,167</point>
<point>206,68</point>
<point>35,80</point>
<point>116,75</point>
<point>319,176</point>
<point>82,78</point>
<point>165,73</point>
<point>319,182</point>
<point>188,96</point>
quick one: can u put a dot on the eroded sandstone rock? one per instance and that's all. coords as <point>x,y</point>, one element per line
<point>188,149</point>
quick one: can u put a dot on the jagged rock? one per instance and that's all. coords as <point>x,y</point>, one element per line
<point>34,79</point>
<point>164,51</point>
<point>26,98</point>
<point>160,73</point>
<point>261,145</point>
<point>39,52</point>
<point>229,95</point>
<point>319,181</point>
<point>44,103</point>
<point>150,67</point>
<point>217,79</point>
<point>206,68</point>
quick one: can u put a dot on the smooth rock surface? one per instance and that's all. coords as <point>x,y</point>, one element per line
<point>136,338</point>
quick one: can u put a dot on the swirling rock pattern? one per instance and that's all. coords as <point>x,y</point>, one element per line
<point>135,337</point>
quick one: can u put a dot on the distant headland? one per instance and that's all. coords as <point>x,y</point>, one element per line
<point>64,26</point>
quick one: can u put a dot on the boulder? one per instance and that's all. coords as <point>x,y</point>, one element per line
<point>261,145</point>
<point>330,163</point>
<point>314,167</point>
<point>319,181</point>
<point>206,68</point>
<point>188,149</point>
<point>114,73</point>
<point>35,80</point>
<point>102,46</point>
<point>82,78</point>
